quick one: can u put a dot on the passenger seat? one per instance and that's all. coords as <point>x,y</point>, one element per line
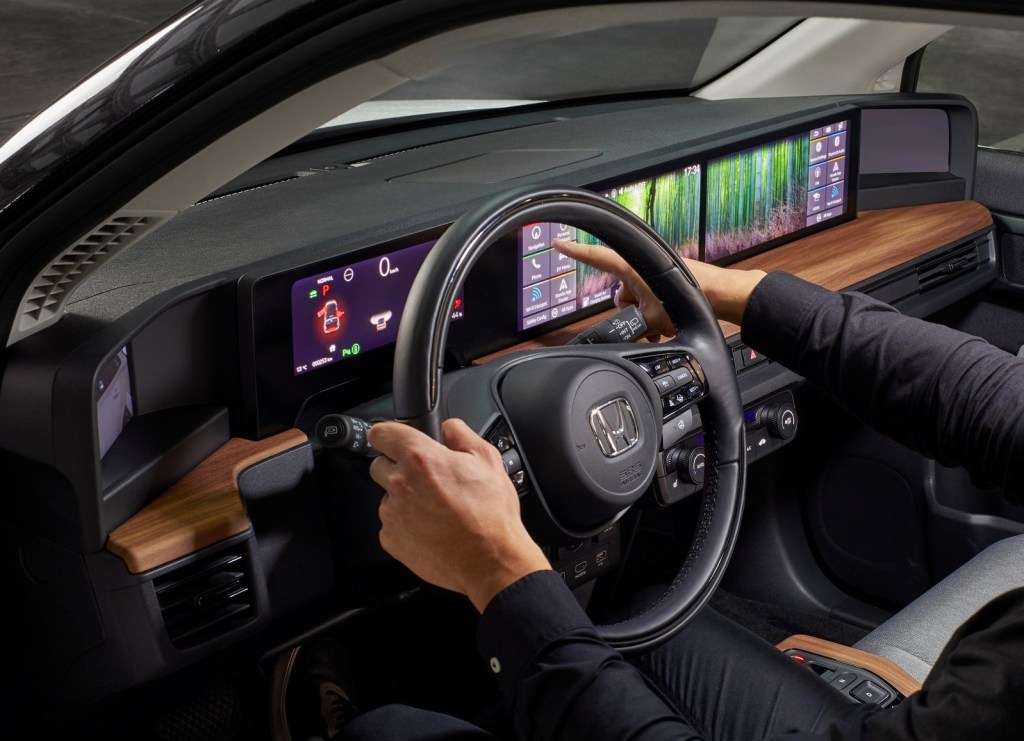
<point>914,637</point>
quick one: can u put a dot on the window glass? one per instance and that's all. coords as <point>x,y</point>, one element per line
<point>984,65</point>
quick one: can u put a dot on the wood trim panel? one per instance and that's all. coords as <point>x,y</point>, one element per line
<point>203,508</point>
<point>905,684</point>
<point>840,257</point>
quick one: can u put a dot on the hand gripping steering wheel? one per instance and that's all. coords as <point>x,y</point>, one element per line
<point>586,421</point>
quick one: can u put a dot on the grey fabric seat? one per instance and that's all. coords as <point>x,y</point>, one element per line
<point>914,637</point>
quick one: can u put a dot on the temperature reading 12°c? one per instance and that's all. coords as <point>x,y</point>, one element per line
<point>385,267</point>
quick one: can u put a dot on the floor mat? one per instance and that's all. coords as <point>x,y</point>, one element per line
<point>775,623</point>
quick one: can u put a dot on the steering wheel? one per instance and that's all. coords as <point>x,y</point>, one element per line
<point>586,421</point>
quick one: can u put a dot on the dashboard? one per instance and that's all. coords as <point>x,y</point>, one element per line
<point>718,209</point>
<point>217,342</point>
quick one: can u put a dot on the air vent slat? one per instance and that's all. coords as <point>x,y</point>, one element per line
<point>214,626</point>
<point>947,266</point>
<point>66,272</point>
<point>206,599</point>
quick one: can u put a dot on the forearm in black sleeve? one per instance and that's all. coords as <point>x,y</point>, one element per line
<point>947,394</point>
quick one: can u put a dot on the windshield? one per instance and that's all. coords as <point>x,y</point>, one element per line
<point>564,55</point>
<point>574,57</point>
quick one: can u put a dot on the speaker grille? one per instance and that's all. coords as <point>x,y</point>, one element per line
<point>1011,255</point>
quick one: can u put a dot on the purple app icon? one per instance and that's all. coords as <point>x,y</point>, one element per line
<point>834,195</point>
<point>563,289</point>
<point>837,145</point>
<point>536,298</point>
<point>536,267</point>
<point>816,201</point>
<point>836,170</point>
<point>536,238</point>
<point>819,150</point>
<point>817,176</point>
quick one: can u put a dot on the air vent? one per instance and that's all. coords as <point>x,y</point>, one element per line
<point>43,303</point>
<point>206,599</point>
<point>950,264</point>
<point>915,280</point>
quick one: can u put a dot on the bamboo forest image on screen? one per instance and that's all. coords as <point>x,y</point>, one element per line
<point>670,203</point>
<point>756,196</point>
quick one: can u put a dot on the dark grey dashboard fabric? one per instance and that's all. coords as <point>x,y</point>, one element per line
<point>335,208</point>
<point>915,636</point>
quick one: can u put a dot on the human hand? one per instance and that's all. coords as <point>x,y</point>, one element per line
<point>726,289</point>
<point>451,513</point>
<point>633,290</point>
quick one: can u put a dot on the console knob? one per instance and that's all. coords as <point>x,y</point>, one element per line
<point>690,465</point>
<point>780,419</point>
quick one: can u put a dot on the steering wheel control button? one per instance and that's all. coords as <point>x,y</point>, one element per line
<point>676,361</point>
<point>868,691</point>
<point>519,480</point>
<point>513,464</point>
<point>681,376</point>
<point>667,382</point>
<point>661,366</point>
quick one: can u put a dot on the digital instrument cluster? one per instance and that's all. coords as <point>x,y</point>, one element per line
<point>354,308</point>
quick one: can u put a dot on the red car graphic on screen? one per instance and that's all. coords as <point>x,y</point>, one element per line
<point>331,316</point>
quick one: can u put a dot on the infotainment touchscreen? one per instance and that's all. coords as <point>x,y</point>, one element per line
<point>553,286</point>
<point>354,308</point>
<point>773,190</point>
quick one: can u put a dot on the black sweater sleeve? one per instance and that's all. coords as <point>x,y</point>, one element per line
<point>948,395</point>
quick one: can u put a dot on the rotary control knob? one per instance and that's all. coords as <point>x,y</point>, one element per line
<point>690,465</point>
<point>780,419</point>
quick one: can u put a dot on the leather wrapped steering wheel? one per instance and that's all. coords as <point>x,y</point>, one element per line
<point>550,398</point>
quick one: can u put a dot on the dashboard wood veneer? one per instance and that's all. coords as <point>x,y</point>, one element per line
<point>203,508</point>
<point>905,684</point>
<point>837,258</point>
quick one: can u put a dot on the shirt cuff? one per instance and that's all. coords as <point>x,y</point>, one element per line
<point>523,619</point>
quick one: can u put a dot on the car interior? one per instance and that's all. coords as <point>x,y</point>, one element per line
<point>187,387</point>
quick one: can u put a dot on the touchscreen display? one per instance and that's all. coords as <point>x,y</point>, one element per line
<point>114,407</point>
<point>354,308</point>
<point>776,189</point>
<point>553,286</point>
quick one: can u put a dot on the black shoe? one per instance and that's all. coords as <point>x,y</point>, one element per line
<point>311,699</point>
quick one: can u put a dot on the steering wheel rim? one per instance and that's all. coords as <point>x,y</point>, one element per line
<point>422,337</point>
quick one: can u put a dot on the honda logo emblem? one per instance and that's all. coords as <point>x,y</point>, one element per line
<point>614,426</point>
